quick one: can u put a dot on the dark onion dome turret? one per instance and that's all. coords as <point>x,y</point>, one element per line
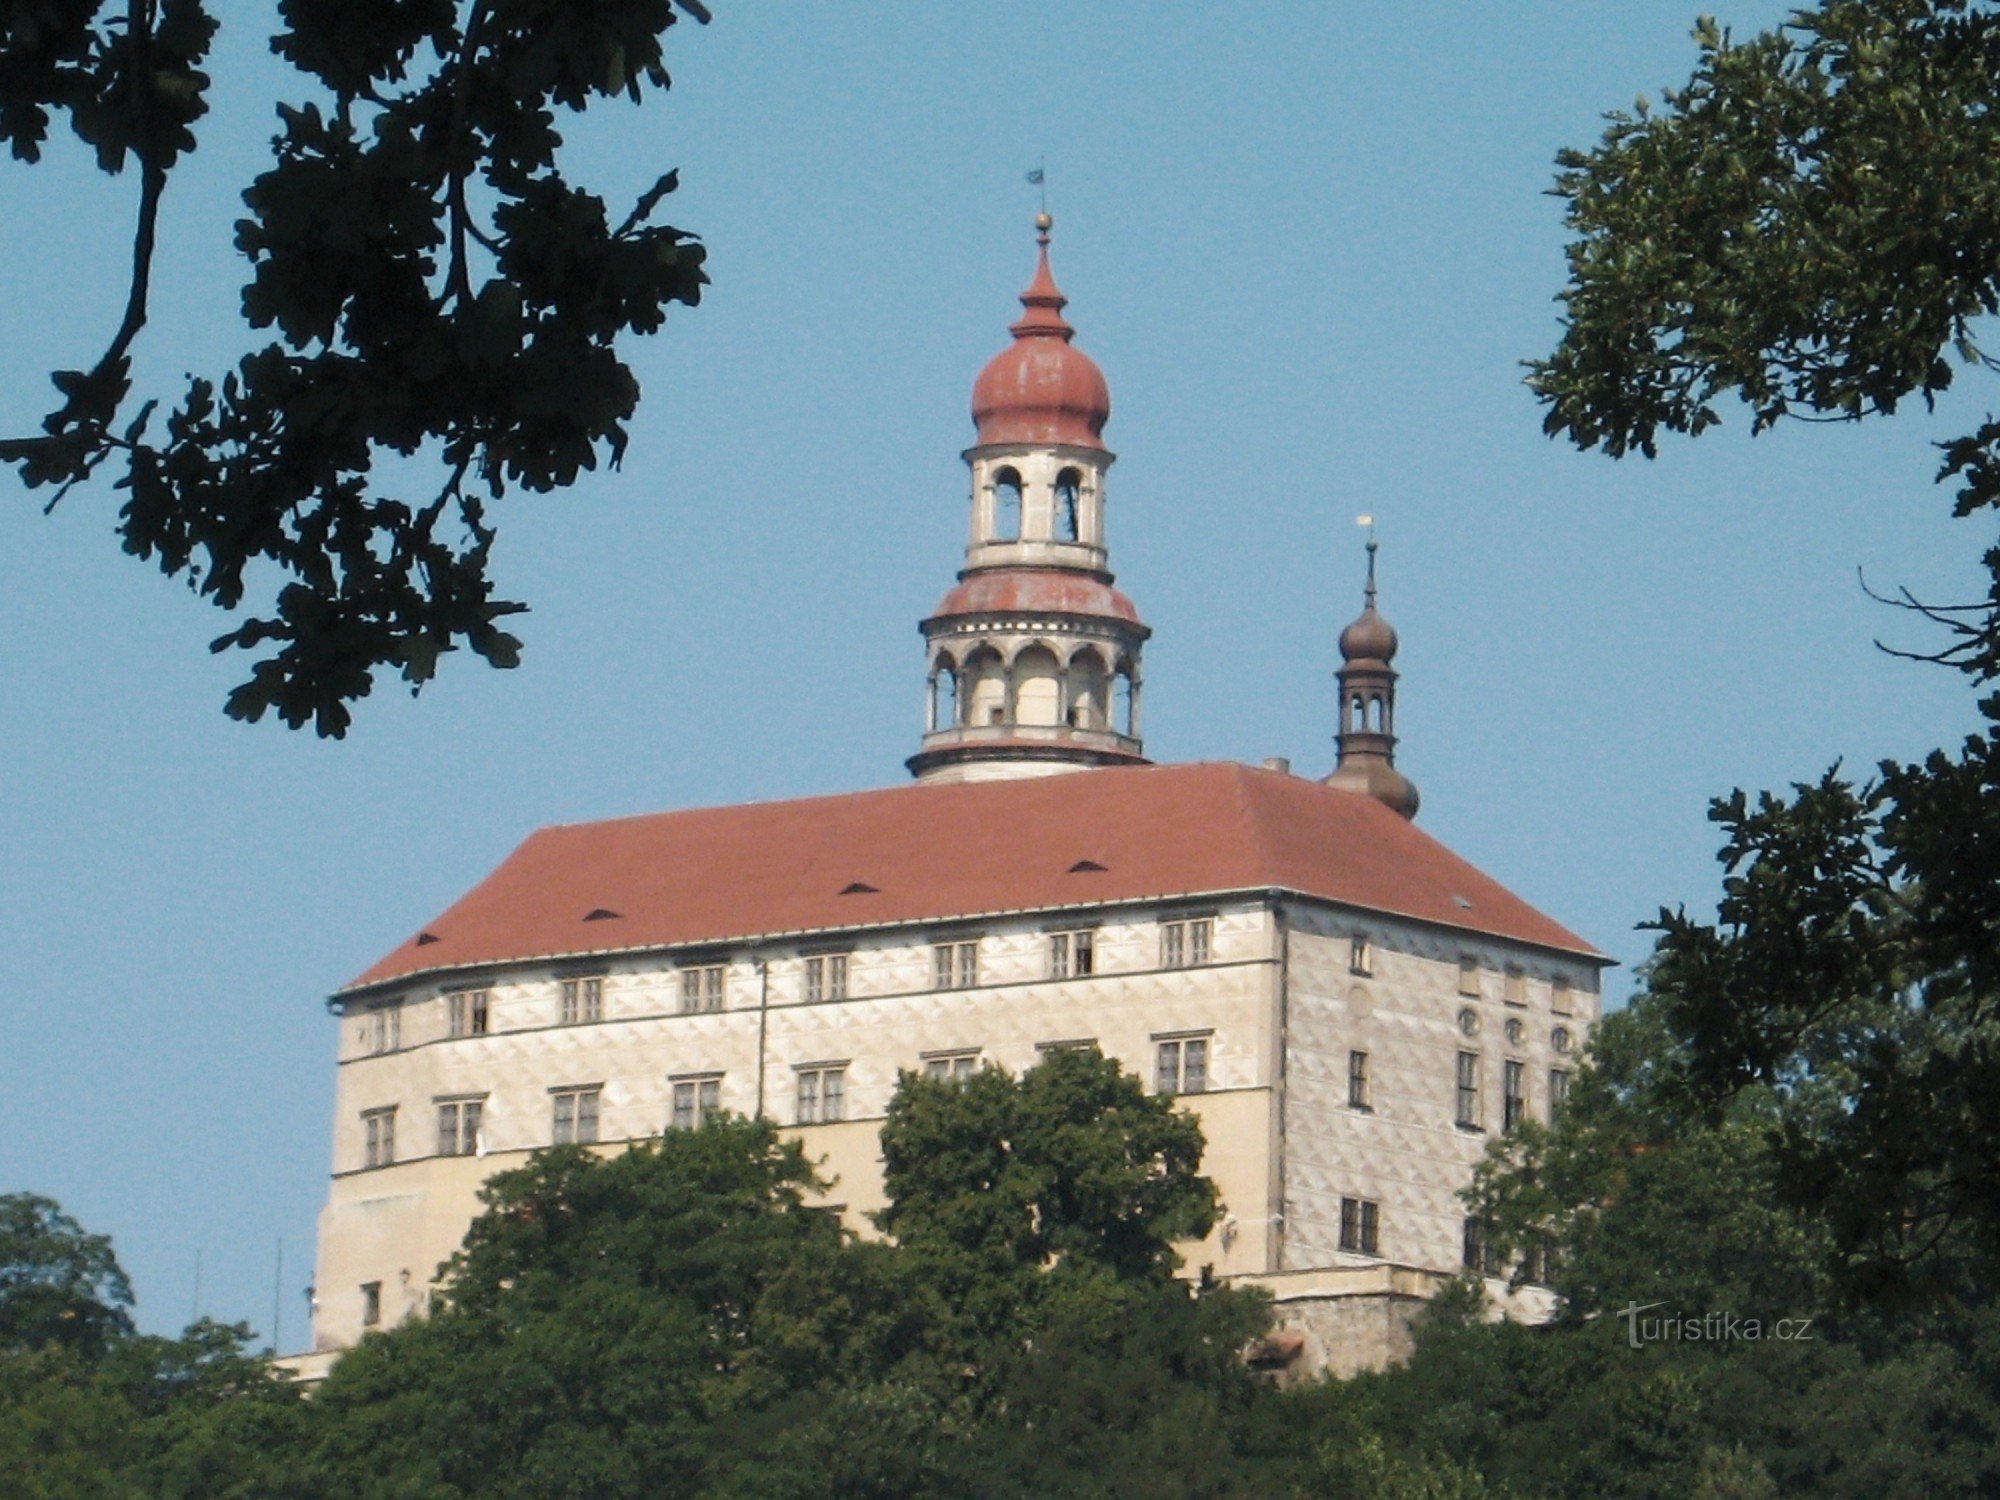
<point>1369,638</point>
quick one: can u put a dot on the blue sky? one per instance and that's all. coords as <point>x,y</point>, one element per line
<point>1308,243</point>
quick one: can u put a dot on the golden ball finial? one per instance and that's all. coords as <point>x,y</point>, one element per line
<point>1044,221</point>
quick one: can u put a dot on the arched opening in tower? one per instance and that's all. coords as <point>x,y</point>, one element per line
<point>1007,506</point>
<point>1037,689</point>
<point>1069,506</point>
<point>944,695</point>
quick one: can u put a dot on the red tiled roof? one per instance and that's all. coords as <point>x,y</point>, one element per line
<point>935,852</point>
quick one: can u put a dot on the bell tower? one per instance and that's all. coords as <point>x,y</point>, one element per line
<point>1033,659</point>
<point>1367,738</point>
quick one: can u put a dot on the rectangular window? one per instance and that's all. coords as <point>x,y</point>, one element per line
<point>1468,1090</point>
<point>384,1028</point>
<point>1558,1090</point>
<point>826,977</point>
<point>371,1304</point>
<point>1513,1094</point>
<point>1360,1220</point>
<point>1181,1066</point>
<point>701,989</point>
<point>1468,975</point>
<point>1357,1080</point>
<point>465,1012</point>
<point>1072,953</point>
<point>378,1137</point>
<point>1186,945</point>
<point>458,1126</point>
<point>696,1101</point>
<point>583,1000</point>
<point>955,966</point>
<point>1474,1255</point>
<point>1559,994</point>
<point>1517,987</point>
<point>575,1115</point>
<point>822,1094</point>
<point>1538,1261</point>
<point>953,1067</point>
<point>1360,956</point>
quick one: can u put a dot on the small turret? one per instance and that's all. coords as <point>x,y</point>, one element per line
<point>1367,738</point>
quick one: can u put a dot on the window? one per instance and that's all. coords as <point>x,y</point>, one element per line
<point>371,1304</point>
<point>956,965</point>
<point>1560,1039</point>
<point>1072,953</point>
<point>1468,1090</point>
<point>1360,956</point>
<point>1513,1095</point>
<point>951,1067</point>
<point>1468,1022</point>
<point>1468,975</point>
<point>701,989</point>
<point>575,1115</point>
<point>583,1000</point>
<point>826,977</point>
<point>378,1137</point>
<point>1185,945</point>
<point>458,1126</point>
<point>465,1012</point>
<point>1559,994</point>
<point>1006,506</point>
<point>1182,1066</point>
<point>823,1094</point>
<point>1538,1261</point>
<point>1516,1032</point>
<point>1360,1219</point>
<point>1558,1089</point>
<point>383,1028</point>
<point>1357,1080</point>
<point>696,1101</point>
<point>1517,987</point>
<point>1476,1254</point>
<point>1068,516</point>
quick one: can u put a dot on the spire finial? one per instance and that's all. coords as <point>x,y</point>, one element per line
<point>1368,596</point>
<point>1044,303</point>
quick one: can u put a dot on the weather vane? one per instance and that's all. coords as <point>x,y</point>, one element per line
<point>1040,178</point>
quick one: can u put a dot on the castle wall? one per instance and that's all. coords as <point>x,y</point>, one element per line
<point>392,1226</point>
<point>1404,1149</point>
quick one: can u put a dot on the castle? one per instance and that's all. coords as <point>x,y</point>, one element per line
<point>1351,1010</point>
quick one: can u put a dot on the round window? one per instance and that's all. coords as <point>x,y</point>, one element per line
<point>1515,1031</point>
<point>1559,1039</point>
<point>1468,1022</point>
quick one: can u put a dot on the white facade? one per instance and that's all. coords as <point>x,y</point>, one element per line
<point>1275,1003</point>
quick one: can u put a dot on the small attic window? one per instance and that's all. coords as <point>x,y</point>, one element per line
<point>1086,867</point>
<point>1463,901</point>
<point>425,939</point>
<point>859,888</point>
<point>600,914</point>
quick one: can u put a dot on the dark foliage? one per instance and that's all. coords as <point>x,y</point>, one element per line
<point>447,309</point>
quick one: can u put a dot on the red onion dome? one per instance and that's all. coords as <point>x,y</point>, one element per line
<point>1041,388</point>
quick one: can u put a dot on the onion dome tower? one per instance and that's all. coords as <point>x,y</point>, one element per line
<point>1367,738</point>
<point>1033,659</point>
